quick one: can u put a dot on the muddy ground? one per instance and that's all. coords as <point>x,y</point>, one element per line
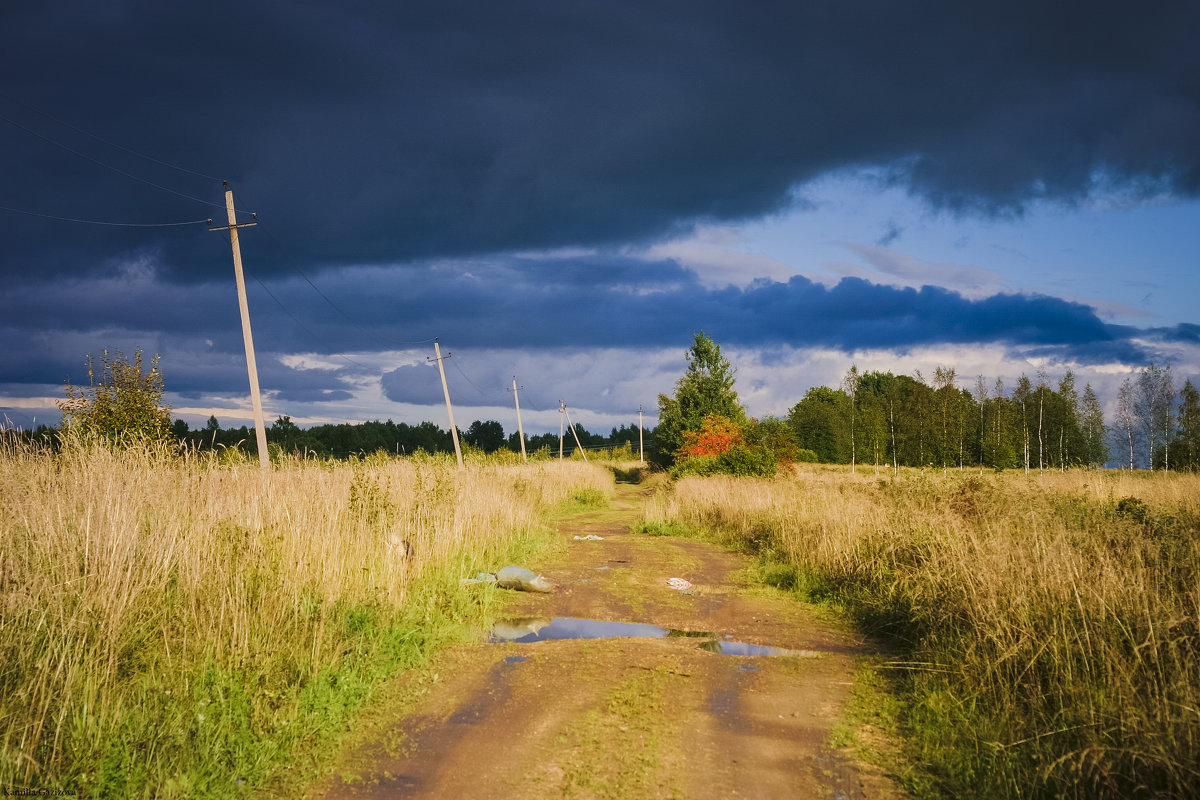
<point>625,717</point>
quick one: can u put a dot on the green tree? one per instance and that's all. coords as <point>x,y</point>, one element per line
<point>285,433</point>
<point>820,422</point>
<point>1092,429</point>
<point>487,436</point>
<point>774,435</point>
<point>122,402</point>
<point>1066,414</point>
<point>1187,442</point>
<point>706,388</point>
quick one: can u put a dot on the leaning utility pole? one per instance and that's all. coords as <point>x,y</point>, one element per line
<point>260,430</point>
<point>446,390</point>
<point>641,442</point>
<point>520,430</point>
<point>571,425</point>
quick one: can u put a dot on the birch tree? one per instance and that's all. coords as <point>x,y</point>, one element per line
<point>850,387</point>
<point>1022,396</point>
<point>1091,424</point>
<point>1155,399</point>
<point>1126,416</point>
<point>981,397</point>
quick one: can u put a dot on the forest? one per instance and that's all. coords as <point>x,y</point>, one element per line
<point>399,438</point>
<point>900,420</point>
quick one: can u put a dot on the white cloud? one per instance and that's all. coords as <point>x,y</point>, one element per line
<point>720,255</point>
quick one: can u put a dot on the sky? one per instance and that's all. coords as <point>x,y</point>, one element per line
<point>563,194</point>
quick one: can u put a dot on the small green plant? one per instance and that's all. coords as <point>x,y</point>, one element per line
<point>662,529</point>
<point>590,498</point>
<point>1133,509</point>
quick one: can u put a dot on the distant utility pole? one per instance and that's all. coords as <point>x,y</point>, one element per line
<point>641,442</point>
<point>260,430</point>
<point>520,430</point>
<point>563,408</point>
<point>446,390</point>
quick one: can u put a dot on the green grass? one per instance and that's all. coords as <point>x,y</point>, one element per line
<point>1045,628</point>
<point>193,627</point>
<point>613,750</point>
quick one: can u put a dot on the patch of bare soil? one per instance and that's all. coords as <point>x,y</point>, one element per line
<point>628,717</point>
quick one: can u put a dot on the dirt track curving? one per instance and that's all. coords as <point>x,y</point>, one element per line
<point>628,717</point>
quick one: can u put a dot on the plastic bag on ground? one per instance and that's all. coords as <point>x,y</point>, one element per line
<point>521,579</point>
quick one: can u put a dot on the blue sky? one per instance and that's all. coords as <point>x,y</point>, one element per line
<point>566,193</point>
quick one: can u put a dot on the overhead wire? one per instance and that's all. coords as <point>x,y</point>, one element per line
<point>115,169</point>
<point>489,398</point>
<point>305,327</point>
<point>102,140</point>
<point>266,231</point>
<point>103,222</point>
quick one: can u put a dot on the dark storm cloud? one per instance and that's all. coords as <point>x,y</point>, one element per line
<point>564,303</point>
<point>380,133</point>
<point>524,304</point>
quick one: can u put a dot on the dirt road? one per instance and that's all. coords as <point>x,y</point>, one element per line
<point>644,717</point>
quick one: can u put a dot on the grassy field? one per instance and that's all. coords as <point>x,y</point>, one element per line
<point>1046,626</point>
<point>193,627</point>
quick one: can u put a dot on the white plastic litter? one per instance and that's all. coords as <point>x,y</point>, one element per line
<point>591,537</point>
<point>679,583</point>
<point>521,579</point>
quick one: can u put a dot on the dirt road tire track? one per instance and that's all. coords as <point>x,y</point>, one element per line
<point>628,718</point>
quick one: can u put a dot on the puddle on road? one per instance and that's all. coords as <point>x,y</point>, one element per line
<point>524,630</point>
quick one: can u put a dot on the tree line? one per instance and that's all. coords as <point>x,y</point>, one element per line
<point>343,440</point>
<point>871,417</point>
<point>900,420</point>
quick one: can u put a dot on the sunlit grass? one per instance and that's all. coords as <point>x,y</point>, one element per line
<point>1049,622</point>
<point>184,626</point>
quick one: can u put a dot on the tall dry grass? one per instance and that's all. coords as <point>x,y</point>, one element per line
<point>165,619</point>
<point>1051,622</point>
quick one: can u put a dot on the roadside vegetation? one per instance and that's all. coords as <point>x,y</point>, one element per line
<point>181,625</point>
<point>1047,626</point>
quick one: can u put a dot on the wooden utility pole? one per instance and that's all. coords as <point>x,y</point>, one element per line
<point>571,425</point>
<point>260,430</point>
<point>641,442</point>
<point>520,430</point>
<point>446,391</point>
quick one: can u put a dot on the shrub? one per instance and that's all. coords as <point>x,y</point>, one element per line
<point>748,462</point>
<point>806,456</point>
<point>740,461</point>
<point>121,403</point>
<point>717,434</point>
<point>701,466</point>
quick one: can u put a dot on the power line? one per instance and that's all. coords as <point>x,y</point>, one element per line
<point>304,327</point>
<point>117,170</point>
<point>489,398</point>
<point>102,140</point>
<point>266,231</point>
<point>102,222</point>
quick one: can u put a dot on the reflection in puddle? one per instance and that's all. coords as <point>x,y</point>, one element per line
<point>728,648</point>
<point>535,629</point>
